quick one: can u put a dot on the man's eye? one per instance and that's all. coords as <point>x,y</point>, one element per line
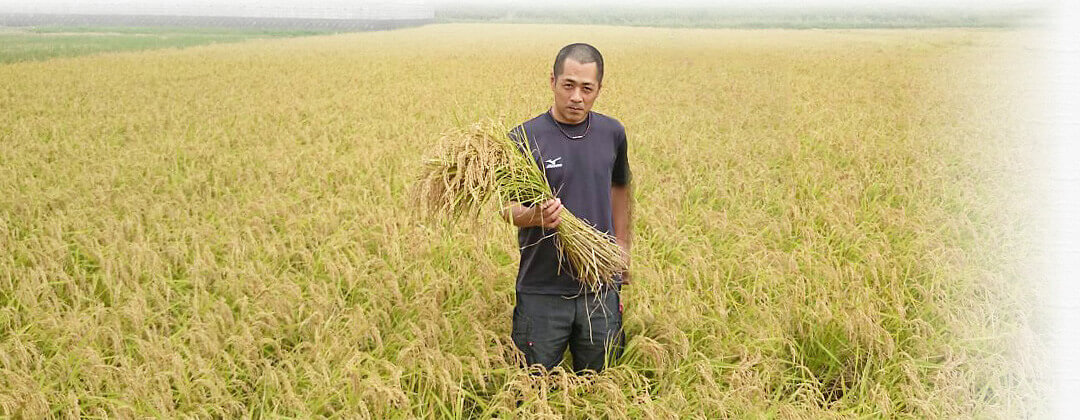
<point>588,89</point>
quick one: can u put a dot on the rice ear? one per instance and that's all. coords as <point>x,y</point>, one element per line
<point>472,165</point>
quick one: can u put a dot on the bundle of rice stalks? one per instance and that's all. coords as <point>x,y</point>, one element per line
<point>471,166</point>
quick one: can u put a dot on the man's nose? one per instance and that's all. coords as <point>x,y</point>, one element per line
<point>576,96</point>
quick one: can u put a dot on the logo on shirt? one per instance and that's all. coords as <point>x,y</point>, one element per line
<point>553,163</point>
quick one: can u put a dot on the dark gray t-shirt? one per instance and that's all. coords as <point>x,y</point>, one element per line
<point>582,173</point>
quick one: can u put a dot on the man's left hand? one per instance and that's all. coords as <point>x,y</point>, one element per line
<point>625,248</point>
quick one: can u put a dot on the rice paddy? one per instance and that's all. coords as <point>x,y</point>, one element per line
<point>828,223</point>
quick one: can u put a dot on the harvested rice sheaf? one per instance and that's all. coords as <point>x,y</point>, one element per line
<point>473,165</point>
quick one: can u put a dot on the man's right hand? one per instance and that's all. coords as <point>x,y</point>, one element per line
<point>548,214</point>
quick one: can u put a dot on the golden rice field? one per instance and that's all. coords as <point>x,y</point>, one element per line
<point>827,224</point>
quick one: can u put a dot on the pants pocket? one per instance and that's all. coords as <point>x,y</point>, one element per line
<point>521,334</point>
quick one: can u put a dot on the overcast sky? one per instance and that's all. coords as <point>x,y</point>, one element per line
<point>744,3</point>
<point>15,5</point>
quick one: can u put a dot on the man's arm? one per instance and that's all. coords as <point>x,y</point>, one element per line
<point>620,218</point>
<point>547,214</point>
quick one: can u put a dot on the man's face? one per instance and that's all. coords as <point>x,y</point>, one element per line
<point>575,90</point>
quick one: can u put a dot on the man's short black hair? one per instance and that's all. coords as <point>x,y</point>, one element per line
<point>582,53</point>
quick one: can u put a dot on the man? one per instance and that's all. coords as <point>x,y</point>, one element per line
<point>583,155</point>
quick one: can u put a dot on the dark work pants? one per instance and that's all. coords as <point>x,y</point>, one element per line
<point>544,325</point>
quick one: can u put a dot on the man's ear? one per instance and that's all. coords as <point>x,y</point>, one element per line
<point>552,81</point>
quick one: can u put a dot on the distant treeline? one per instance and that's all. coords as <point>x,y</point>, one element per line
<point>714,17</point>
<point>24,19</point>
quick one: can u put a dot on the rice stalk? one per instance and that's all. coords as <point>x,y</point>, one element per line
<point>471,166</point>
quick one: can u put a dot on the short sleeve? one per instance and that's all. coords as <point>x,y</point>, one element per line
<point>620,173</point>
